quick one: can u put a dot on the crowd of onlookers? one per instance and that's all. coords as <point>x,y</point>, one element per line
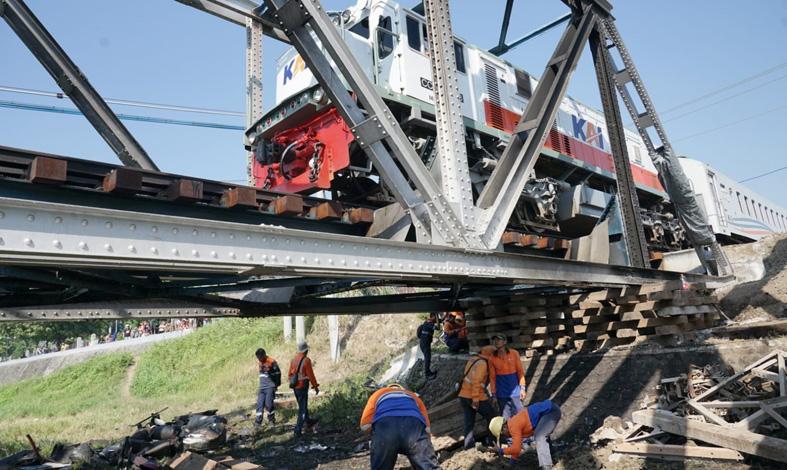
<point>118,332</point>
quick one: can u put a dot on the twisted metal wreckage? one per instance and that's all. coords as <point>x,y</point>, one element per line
<point>81,239</point>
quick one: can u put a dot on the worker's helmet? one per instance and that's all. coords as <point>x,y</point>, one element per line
<point>487,351</point>
<point>496,427</point>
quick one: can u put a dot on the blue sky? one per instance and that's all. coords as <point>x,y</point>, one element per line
<point>162,51</point>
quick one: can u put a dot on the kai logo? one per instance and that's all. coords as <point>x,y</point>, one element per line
<point>293,67</point>
<point>587,132</point>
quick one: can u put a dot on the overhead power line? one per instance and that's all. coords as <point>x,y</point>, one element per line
<point>726,98</point>
<point>763,174</point>
<point>139,104</point>
<point>124,117</point>
<point>726,87</point>
<point>729,124</point>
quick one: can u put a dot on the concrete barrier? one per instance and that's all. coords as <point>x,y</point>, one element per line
<point>44,364</point>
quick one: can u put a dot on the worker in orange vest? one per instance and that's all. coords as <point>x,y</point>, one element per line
<point>455,331</point>
<point>538,420</point>
<point>510,386</point>
<point>270,379</point>
<point>301,374</point>
<point>473,394</point>
<point>399,424</point>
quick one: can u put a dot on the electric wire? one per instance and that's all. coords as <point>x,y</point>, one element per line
<point>725,88</point>
<point>763,174</point>
<point>729,124</point>
<point>687,113</point>
<point>140,104</point>
<point>124,117</point>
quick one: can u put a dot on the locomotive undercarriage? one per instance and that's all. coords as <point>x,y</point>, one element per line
<point>306,148</point>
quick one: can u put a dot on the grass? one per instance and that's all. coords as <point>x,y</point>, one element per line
<point>213,367</point>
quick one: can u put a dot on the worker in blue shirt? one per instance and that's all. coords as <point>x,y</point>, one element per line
<point>425,335</point>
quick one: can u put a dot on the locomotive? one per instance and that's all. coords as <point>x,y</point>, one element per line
<point>303,145</point>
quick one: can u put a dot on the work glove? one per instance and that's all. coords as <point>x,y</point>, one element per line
<point>474,405</point>
<point>316,391</point>
<point>523,393</point>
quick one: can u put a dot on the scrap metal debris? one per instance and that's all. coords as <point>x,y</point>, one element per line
<point>151,446</point>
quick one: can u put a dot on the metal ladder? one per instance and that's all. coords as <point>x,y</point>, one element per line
<point>704,241</point>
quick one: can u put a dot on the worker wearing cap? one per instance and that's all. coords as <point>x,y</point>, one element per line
<point>510,387</point>
<point>300,375</point>
<point>473,395</point>
<point>455,330</point>
<point>537,420</point>
<point>399,424</point>
<point>425,334</point>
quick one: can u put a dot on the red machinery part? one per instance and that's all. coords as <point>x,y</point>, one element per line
<point>310,155</point>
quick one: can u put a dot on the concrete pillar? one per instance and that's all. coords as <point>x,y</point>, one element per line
<point>333,335</point>
<point>287,328</point>
<point>300,329</point>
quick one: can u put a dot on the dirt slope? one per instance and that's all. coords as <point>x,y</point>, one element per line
<point>765,299</point>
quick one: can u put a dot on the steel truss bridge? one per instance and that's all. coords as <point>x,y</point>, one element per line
<point>87,240</point>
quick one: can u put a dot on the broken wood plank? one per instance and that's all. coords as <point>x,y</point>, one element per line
<point>782,376</point>
<point>773,414</point>
<point>738,375</point>
<point>738,439</point>
<point>707,413</point>
<point>671,450</point>
<point>764,374</point>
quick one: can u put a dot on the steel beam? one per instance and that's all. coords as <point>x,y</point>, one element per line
<point>120,310</point>
<point>34,233</point>
<point>237,12</point>
<point>501,193</point>
<point>434,218</point>
<point>451,168</point>
<point>168,308</point>
<point>74,84</point>
<point>633,232</point>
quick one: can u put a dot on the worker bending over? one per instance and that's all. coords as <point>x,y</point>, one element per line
<point>300,375</point>
<point>537,420</point>
<point>510,387</point>
<point>455,332</point>
<point>473,395</point>
<point>399,424</point>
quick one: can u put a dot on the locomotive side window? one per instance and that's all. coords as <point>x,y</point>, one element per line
<point>413,34</point>
<point>459,54</point>
<point>385,37</point>
<point>522,84</point>
<point>361,28</point>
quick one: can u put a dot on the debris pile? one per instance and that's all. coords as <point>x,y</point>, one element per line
<point>153,443</point>
<point>728,413</point>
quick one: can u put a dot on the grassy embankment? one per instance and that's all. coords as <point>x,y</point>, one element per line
<point>211,368</point>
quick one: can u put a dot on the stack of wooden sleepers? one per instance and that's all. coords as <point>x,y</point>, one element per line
<point>546,323</point>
